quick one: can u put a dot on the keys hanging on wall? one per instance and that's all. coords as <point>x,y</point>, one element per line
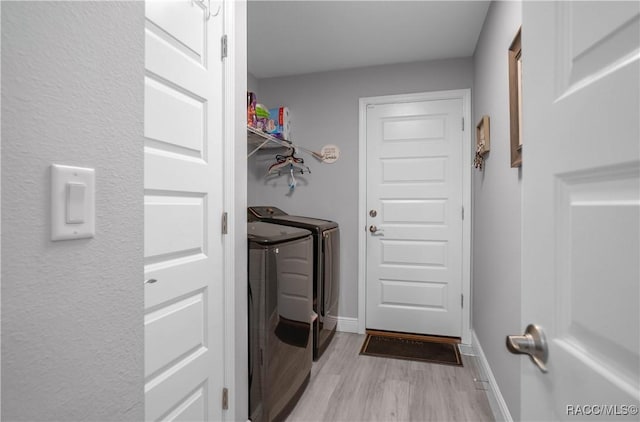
<point>478,162</point>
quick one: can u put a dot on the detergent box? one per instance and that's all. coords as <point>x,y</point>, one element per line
<point>279,123</point>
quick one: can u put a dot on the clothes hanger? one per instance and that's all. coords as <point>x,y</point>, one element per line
<point>295,164</point>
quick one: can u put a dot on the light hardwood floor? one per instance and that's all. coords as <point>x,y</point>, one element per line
<point>345,386</point>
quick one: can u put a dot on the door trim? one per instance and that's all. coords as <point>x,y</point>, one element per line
<point>465,96</point>
<point>234,203</point>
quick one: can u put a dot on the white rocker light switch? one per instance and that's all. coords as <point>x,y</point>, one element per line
<point>76,197</point>
<point>72,202</point>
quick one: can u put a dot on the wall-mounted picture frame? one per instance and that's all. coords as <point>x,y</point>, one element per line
<point>483,141</point>
<point>483,138</point>
<point>515,99</point>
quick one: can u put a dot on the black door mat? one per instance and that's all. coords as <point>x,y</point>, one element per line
<point>442,350</point>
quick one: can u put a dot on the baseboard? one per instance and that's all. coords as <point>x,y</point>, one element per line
<point>347,325</point>
<point>496,401</point>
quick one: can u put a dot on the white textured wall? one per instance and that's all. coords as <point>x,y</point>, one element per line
<point>72,311</point>
<point>496,207</point>
<point>324,108</point>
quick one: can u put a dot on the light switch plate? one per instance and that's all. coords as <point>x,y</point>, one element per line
<point>65,181</point>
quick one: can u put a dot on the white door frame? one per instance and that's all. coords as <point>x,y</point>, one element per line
<point>235,335</point>
<point>465,96</point>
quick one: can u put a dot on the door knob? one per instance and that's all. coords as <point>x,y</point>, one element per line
<point>532,343</point>
<point>374,229</point>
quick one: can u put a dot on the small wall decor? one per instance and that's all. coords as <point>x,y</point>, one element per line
<point>330,153</point>
<point>483,141</point>
<point>515,99</point>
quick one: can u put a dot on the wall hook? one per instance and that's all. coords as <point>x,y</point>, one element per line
<point>208,7</point>
<point>217,11</point>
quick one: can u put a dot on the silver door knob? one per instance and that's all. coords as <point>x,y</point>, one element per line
<point>374,229</point>
<point>532,343</point>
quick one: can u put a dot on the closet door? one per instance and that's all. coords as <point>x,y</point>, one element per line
<point>183,206</point>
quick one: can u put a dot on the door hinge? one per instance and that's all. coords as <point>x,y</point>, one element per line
<point>223,43</point>
<point>462,301</point>
<point>225,399</point>
<point>225,225</point>
<point>463,212</point>
<point>463,124</point>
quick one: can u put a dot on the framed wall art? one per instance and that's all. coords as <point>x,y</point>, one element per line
<point>515,99</point>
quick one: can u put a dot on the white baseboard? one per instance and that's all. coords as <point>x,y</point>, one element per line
<point>496,401</point>
<point>347,325</point>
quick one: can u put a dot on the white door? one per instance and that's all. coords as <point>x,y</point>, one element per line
<point>183,208</point>
<point>581,207</point>
<point>414,200</point>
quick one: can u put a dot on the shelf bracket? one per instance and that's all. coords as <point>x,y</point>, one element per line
<point>257,148</point>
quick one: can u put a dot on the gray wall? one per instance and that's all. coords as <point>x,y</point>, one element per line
<point>496,207</point>
<point>252,83</point>
<point>324,108</point>
<point>72,311</point>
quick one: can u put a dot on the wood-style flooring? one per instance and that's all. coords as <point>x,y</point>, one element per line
<point>345,386</point>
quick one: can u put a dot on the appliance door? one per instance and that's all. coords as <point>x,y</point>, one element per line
<point>330,275</point>
<point>256,317</point>
<point>288,295</point>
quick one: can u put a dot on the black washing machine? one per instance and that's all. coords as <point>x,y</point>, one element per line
<point>280,318</point>
<point>326,268</point>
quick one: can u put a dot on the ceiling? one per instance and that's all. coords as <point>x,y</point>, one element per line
<point>297,37</point>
